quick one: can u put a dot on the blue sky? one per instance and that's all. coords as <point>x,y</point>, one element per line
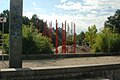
<point>83,12</point>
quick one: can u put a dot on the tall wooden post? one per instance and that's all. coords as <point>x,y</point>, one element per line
<point>15,27</point>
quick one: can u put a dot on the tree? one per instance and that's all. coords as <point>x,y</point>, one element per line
<point>38,23</point>
<point>5,14</point>
<point>113,22</point>
<point>26,20</point>
<point>90,35</point>
<point>34,19</point>
<point>80,37</point>
<point>41,24</point>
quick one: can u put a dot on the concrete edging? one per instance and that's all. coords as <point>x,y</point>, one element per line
<point>58,72</point>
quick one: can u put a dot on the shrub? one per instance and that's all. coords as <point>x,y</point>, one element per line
<point>107,41</point>
<point>101,43</point>
<point>5,46</point>
<point>6,43</point>
<point>114,43</point>
<point>34,42</point>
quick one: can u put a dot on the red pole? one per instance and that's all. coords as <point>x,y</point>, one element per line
<point>65,36</point>
<point>62,39</point>
<point>45,28</point>
<point>71,37</point>
<point>56,37</point>
<point>74,39</point>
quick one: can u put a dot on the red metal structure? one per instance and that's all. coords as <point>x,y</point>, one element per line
<point>56,45</point>
<point>64,38</point>
<point>74,39</point>
<point>65,48</point>
<point>71,36</point>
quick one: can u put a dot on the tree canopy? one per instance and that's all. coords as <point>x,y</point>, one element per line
<point>5,13</point>
<point>113,22</point>
<point>90,35</point>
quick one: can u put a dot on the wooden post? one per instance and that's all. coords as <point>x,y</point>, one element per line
<point>15,27</point>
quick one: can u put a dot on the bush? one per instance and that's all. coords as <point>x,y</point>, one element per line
<point>114,43</point>
<point>5,46</point>
<point>35,43</point>
<point>101,43</point>
<point>32,42</point>
<point>6,43</point>
<point>107,41</point>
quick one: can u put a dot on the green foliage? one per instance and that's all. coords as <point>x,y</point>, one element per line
<point>6,43</point>
<point>34,19</point>
<point>5,46</point>
<point>32,42</point>
<point>113,22</point>
<point>106,41</point>
<point>26,20</point>
<point>70,39</point>
<point>59,36</point>
<point>90,35</point>
<point>80,37</point>
<point>5,14</point>
<point>35,43</point>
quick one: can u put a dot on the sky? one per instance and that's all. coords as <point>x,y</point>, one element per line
<point>83,13</point>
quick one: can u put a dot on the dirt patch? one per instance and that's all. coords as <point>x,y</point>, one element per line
<point>66,62</point>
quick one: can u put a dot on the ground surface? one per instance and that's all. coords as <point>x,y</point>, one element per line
<point>66,62</point>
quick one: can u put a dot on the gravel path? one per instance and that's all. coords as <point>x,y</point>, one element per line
<point>66,62</point>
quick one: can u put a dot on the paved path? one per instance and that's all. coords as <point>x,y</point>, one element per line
<point>66,62</point>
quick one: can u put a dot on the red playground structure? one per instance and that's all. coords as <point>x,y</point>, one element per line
<point>66,48</point>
